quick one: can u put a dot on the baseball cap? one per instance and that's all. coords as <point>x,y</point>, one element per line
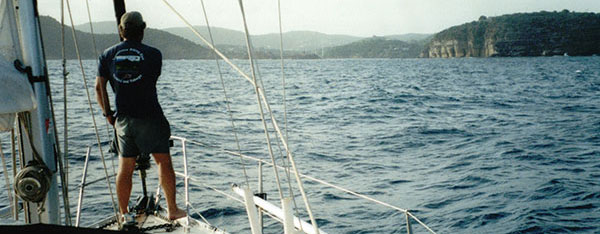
<point>132,19</point>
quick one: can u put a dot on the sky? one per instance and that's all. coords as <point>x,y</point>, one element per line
<point>363,18</point>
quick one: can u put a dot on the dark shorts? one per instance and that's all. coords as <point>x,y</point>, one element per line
<point>136,136</point>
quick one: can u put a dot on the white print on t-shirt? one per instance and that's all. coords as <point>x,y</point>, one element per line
<point>127,65</point>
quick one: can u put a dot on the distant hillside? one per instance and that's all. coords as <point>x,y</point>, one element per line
<point>375,47</point>
<point>303,40</point>
<point>410,37</point>
<point>221,36</point>
<point>522,34</point>
<point>104,27</point>
<point>171,46</point>
<point>298,44</point>
<point>295,40</point>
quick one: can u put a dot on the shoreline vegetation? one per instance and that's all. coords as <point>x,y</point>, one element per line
<point>514,35</point>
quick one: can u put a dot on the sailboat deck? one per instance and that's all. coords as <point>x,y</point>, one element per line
<point>159,224</point>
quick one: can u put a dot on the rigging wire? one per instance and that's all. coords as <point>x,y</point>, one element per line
<point>24,132</point>
<point>210,45</point>
<point>194,209</point>
<point>87,4</point>
<point>311,178</point>
<point>225,94</point>
<point>260,106</point>
<point>325,183</point>
<point>36,156</point>
<point>261,94</point>
<point>226,195</point>
<point>92,113</point>
<point>283,159</point>
<point>57,157</point>
<point>62,158</point>
<point>277,143</point>
<point>65,106</point>
<point>283,141</point>
<point>292,161</point>
<point>285,122</point>
<point>22,118</point>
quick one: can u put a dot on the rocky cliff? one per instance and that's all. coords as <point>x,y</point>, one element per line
<point>522,34</point>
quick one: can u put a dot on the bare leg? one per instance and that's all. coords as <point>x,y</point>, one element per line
<point>126,167</point>
<point>166,177</point>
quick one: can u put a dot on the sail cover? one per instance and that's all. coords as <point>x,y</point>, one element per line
<point>16,94</point>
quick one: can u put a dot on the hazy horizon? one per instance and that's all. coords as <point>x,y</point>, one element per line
<point>85,24</point>
<point>349,17</point>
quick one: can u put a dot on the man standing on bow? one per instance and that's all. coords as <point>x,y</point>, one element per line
<point>133,68</point>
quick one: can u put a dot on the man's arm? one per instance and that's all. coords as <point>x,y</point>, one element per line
<point>102,98</point>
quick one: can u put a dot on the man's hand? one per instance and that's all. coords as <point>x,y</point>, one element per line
<point>102,98</point>
<point>111,120</point>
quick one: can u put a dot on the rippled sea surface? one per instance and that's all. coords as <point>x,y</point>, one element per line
<point>497,145</point>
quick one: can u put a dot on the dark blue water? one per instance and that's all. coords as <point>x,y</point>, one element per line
<point>498,145</point>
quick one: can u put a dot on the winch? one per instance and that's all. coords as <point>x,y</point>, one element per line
<point>33,182</point>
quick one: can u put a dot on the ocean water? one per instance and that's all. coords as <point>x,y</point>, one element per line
<point>496,145</point>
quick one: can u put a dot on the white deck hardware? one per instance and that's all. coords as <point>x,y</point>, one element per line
<point>277,212</point>
<point>251,210</point>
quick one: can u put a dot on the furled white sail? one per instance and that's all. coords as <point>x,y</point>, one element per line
<point>9,38</point>
<point>16,94</point>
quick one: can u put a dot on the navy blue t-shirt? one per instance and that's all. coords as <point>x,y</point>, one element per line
<point>132,69</point>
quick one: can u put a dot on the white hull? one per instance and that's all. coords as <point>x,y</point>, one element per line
<point>159,224</point>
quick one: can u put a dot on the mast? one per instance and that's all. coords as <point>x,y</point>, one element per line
<point>41,122</point>
<point>119,11</point>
